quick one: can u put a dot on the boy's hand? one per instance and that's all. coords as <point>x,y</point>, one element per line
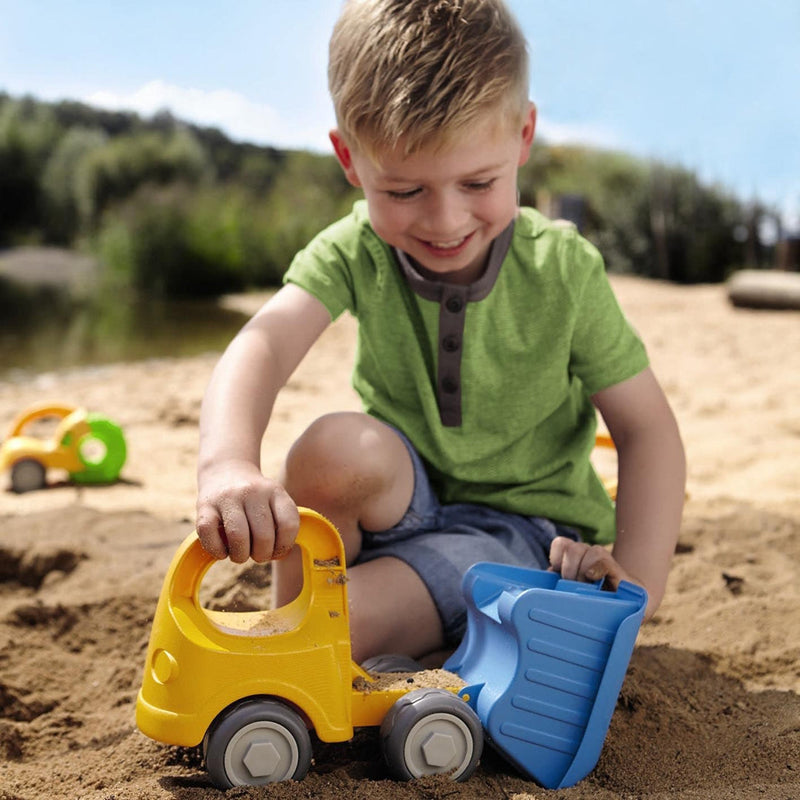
<point>242,514</point>
<point>578,561</point>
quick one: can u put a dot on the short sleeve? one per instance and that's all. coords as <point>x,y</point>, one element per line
<point>605,348</point>
<point>323,267</point>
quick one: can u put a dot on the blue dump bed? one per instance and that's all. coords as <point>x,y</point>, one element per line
<point>544,659</point>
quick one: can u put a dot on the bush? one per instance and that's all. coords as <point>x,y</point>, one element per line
<point>114,172</point>
<point>154,244</point>
<point>27,134</point>
<point>179,209</point>
<point>61,217</point>
<point>647,218</point>
<point>181,240</point>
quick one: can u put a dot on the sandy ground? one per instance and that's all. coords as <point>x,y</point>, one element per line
<point>709,708</point>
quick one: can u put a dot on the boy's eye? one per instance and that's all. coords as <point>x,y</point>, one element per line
<point>407,194</point>
<point>480,186</point>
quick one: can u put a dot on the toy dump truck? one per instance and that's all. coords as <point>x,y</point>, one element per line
<point>249,686</point>
<point>544,659</point>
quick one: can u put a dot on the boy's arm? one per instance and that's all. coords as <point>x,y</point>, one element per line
<point>240,512</point>
<point>652,479</point>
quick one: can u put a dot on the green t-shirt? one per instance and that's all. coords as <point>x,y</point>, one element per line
<point>531,340</point>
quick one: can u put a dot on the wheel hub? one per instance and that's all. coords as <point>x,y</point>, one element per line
<point>261,759</point>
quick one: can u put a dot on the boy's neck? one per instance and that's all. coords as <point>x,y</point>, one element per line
<point>472,273</point>
<point>459,277</point>
<point>429,284</point>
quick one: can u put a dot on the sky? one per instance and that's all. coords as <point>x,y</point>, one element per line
<point>711,85</point>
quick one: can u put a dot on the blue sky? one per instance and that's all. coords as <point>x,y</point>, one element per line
<point>713,85</point>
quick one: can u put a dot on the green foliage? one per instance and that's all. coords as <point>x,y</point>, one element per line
<point>59,184</point>
<point>179,240</point>
<point>614,191</point>
<point>646,218</point>
<point>27,134</point>
<point>180,210</point>
<point>164,241</point>
<point>308,193</point>
<point>114,171</point>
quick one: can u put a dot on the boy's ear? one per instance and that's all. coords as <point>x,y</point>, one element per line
<point>344,156</point>
<point>528,130</point>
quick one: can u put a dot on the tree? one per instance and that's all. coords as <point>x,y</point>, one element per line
<point>116,170</point>
<point>60,183</point>
<point>27,133</point>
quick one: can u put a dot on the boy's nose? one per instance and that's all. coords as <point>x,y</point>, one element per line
<point>444,216</point>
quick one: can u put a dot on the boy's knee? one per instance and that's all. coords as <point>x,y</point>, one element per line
<point>335,461</point>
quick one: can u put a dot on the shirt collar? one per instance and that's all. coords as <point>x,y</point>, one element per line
<point>477,290</point>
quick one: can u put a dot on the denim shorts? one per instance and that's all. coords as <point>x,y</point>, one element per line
<point>442,542</point>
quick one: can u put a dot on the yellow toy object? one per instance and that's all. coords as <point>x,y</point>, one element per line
<point>88,446</point>
<point>250,685</point>
<point>603,440</point>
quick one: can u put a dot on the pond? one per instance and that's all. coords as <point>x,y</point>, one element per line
<point>46,330</point>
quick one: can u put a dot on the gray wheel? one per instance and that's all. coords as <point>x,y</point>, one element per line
<point>390,662</point>
<point>27,475</point>
<point>431,732</point>
<point>257,741</point>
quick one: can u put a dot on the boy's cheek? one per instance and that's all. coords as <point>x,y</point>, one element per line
<point>385,223</point>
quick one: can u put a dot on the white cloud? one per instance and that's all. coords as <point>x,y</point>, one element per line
<point>246,120</point>
<point>579,133</point>
<point>232,112</point>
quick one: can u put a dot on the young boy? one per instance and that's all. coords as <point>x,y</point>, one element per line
<point>487,338</point>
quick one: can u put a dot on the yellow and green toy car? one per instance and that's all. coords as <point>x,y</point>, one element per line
<point>89,447</point>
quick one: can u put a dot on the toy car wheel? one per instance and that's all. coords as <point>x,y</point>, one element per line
<point>27,474</point>
<point>102,452</point>
<point>257,741</point>
<point>431,732</point>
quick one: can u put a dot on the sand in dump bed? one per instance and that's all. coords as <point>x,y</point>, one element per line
<point>709,709</point>
<point>404,681</point>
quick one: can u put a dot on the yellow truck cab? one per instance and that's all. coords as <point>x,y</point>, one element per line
<point>249,686</point>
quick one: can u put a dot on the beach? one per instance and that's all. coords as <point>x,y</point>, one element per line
<point>709,708</point>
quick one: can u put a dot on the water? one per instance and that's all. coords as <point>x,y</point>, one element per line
<point>51,332</point>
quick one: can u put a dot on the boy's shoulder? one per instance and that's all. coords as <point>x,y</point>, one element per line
<point>355,223</point>
<point>554,240</point>
<point>351,233</point>
<point>531,223</point>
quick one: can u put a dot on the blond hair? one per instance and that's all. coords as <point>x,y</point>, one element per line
<point>417,73</point>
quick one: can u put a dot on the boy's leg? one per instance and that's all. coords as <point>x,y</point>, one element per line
<point>357,472</point>
<point>391,611</point>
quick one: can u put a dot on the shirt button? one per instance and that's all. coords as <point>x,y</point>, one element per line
<point>450,385</point>
<point>451,344</point>
<point>454,304</point>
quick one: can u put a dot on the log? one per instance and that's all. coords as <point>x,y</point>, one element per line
<point>764,288</point>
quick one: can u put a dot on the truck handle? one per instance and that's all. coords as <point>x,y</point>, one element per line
<point>317,538</point>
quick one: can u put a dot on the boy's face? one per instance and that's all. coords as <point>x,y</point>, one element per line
<point>444,207</point>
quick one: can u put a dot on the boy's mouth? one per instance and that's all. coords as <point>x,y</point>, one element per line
<point>448,248</point>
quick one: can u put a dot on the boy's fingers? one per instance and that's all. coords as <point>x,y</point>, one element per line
<point>557,553</point>
<point>577,561</point>
<point>597,563</point>
<point>261,528</point>
<point>565,557</point>
<point>287,522</point>
<point>211,533</point>
<point>237,531</point>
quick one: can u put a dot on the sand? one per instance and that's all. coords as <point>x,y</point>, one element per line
<point>709,708</point>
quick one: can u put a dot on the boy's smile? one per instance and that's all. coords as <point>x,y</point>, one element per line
<point>444,207</point>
